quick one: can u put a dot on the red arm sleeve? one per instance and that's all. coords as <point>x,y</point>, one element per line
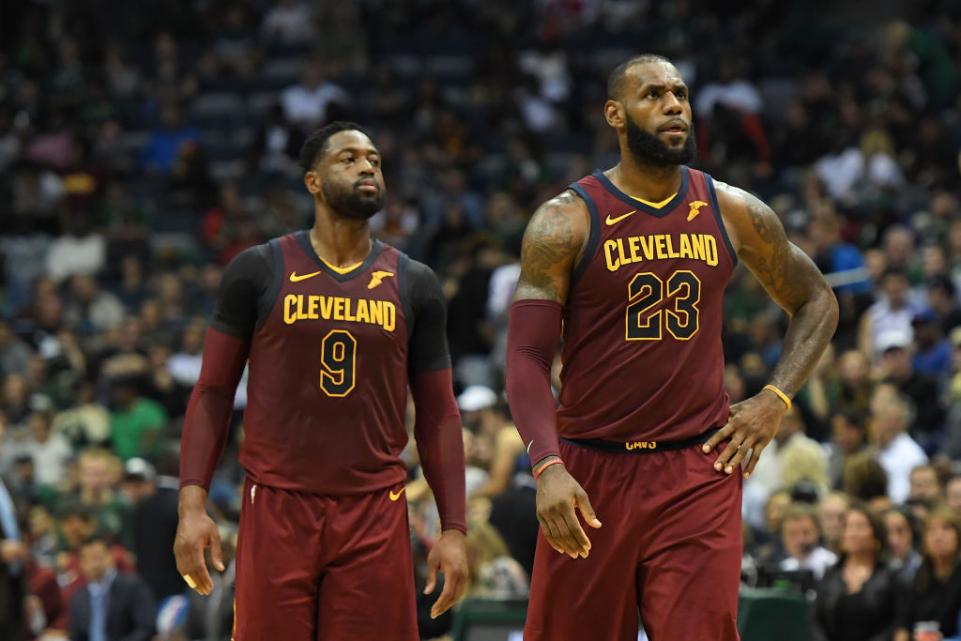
<point>440,444</point>
<point>207,422</point>
<point>533,329</point>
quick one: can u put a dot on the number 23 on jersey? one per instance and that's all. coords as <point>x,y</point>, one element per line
<point>647,318</point>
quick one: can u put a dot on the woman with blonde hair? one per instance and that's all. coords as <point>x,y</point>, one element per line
<point>934,602</point>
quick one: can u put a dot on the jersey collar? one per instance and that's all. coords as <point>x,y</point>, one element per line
<point>659,212</point>
<point>303,237</point>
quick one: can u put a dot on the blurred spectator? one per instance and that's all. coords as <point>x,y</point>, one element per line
<point>898,453</point>
<point>211,618</point>
<point>86,422</point>
<point>935,593</point>
<point>921,389</point>
<point>166,141</point>
<point>136,422</point>
<point>800,533</point>
<point>953,493</point>
<point>857,598</point>
<point>48,450</point>
<point>288,22</point>
<point>788,459</point>
<point>848,437</point>
<point>112,606</point>
<point>91,310</point>
<point>831,511</point>
<point>494,574</point>
<point>12,555</point>
<point>887,323</point>
<point>932,358</point>
<point>78,251</point>
<point>902,531</point>
<point>925,484</point>
<point>314,101</point>
<point>865,479</point>
<point>14,351</point>
<point>153,522</point>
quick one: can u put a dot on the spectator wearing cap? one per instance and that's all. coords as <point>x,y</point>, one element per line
<point>921,389</point>
<point>897,452</point>
<point>153,523</point>
<point>484,416</point>
<point>933,354</point>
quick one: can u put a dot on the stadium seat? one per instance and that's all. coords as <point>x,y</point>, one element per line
<point>765,614</point>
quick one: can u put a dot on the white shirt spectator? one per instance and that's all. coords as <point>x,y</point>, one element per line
<point>185,368</point>
<point>308,106</point>
<point>49,457</point>
<point>898,458</point>
<point>818,562</point>
<point>70,255</point>
<point>289,22</point>
<point>737,94</point>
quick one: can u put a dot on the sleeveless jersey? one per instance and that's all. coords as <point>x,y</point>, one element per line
<point>642,355</point>
<point>327,386</point>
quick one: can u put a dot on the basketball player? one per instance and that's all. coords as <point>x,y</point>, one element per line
<point>334,324</point>
<point>635,260</point>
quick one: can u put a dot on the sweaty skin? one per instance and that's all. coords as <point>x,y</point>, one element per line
<point>654,97</point>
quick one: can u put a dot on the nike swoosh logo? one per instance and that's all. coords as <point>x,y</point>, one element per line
<point>296,278</point>
<point>396,495</point>
<point>614,221</point>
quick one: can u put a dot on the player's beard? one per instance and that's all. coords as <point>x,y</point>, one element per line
<point>648,149</point>
<point>349,203</point>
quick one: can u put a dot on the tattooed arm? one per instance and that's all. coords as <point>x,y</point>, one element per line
<point>795,284</point>
<point>553,242</point>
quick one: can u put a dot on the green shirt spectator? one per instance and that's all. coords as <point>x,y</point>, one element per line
<point>136,423</point>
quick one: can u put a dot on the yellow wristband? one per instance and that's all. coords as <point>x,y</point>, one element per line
<point>784,397</point>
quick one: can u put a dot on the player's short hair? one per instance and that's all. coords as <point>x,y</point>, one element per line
<point>615,80</point>
<point>316,142</point>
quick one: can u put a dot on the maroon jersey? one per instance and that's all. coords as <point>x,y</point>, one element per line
<point>329,359</point>
<point>642,351</point>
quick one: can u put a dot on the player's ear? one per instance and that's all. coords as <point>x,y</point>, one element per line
<point>313,182</point>
<point>614,114</point>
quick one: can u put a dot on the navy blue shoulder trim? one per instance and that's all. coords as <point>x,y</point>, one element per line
<point>269,298</point>
<point>403,290</point>
<point>716,208</point>
<point>592,238</point>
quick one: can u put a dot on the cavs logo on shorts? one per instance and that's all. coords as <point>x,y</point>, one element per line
<point>640,445</point>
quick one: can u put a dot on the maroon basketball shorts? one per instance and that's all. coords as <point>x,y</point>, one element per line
<point>321,568</point>
<point>669,550</point>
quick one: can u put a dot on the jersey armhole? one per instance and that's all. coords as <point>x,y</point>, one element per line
<point>593,236</point>
<point>716,208</point>
<point>269,298</point>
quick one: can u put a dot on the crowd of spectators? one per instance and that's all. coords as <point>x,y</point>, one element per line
<point>143,145</point>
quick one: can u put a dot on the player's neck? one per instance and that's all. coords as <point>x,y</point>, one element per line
<point>340,242</point>
<point>653,183</point>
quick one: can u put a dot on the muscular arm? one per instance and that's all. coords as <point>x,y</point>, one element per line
<point>554,239</point>
<point>790,278</point>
